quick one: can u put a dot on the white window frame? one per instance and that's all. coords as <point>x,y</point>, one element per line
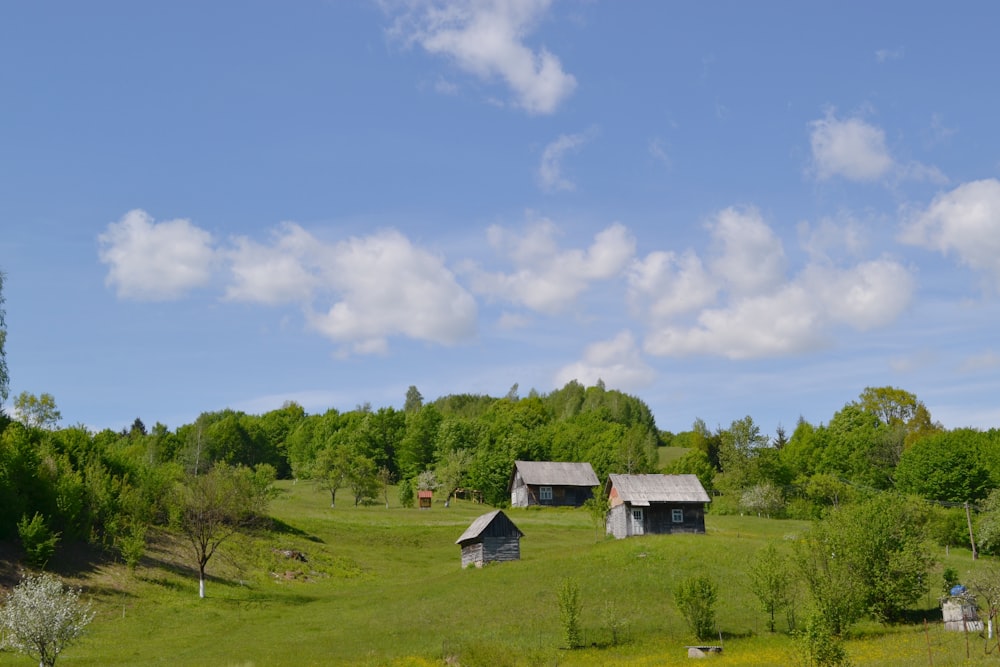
<point>545,493</point>
<point>638,516</point>
<point>677,516</point>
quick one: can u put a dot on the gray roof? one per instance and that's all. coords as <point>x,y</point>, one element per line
<point>477,527</point>
<point>645,489</point>
<point>556,473</point>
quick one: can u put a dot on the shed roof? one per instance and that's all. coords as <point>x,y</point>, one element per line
<point>483,524</point>
<point>556,473</point>
<point>646,489</point>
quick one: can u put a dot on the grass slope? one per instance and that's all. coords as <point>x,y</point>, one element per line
<point>385,587</point>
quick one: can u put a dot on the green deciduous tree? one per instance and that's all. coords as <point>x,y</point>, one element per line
<point>569,613</point>
<point>597,507</point>
<point>696,598</point>
<point>944,466</point>
<point>451,471</point>
<point>867,558</point>
<point>41,618</point>
<point>770,580</point>
<point>210,508</point>
<point>37,411</point>
<point>38,540</point>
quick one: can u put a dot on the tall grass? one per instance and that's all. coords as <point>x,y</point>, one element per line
<point>386,587</point>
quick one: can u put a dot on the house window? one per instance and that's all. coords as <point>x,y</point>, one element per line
<point>545,493</point>
<point>677,516</point>
<point>637,516</point>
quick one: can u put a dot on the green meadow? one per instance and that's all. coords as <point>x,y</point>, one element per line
<point>385,587</point>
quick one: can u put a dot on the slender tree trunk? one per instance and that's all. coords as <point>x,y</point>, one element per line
<point>201,581</point>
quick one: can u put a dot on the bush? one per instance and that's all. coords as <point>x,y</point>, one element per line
<point>569,613</point>
<point>41,618</point>
<point>819,647</point>
<point>696,598</point>
<point>38,540</point>
<point>406,495</point>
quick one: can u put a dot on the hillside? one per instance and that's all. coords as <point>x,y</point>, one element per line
<point>384,587</point>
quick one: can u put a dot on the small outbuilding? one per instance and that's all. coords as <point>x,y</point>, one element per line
<point>491,537</point>
<point>551,483</point>
<point>424,499</point>
<point>655,505</point>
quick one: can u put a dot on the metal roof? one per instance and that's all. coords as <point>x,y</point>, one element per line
<point>477,527</point>
<point>645,489</point>
<point>557,473</point>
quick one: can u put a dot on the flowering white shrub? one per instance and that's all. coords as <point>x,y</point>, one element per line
<point>41,617</point>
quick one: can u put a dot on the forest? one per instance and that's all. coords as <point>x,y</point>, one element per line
<point>108,487</point>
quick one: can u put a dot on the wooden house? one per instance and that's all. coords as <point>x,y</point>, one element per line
<point>655,505</point>
<point>424,499</point>
<point>551,483</point>
<point>491,537</point>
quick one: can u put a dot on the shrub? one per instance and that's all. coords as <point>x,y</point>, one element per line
<point>38,540</point>
<point>41,618</point>
<point>819,647</point>
<point>569,613</point>
<point>696,598</point>
<point>406,495</point>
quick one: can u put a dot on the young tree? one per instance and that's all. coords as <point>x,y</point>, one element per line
<point>385,478</point>
<point>770,581</point>
<point>37,411</point>
<point>451,471</point>
<point>41,618</point>
<point>569,613</point>
<point>696,597</point>
<point>597,507</point>
<point>414,400</point>
<point>869,557</point>
<point>329,470</point>
<point>212,507</point>
<point>362,477</point>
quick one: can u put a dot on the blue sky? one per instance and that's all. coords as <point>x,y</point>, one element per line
<point>723,208</point>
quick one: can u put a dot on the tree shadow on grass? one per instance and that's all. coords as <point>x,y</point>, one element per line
<point>283,528</point>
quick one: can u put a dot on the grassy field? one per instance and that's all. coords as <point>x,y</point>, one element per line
<point>385,587</point>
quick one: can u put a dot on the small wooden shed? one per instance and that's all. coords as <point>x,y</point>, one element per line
<point>424,499</point>
<point>490,538</point>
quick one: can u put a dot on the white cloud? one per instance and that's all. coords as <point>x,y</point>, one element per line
<point>550,176</point>
<point>832,237</point>
<point>155,261</point>
<point>273,274</point>
<point>749,257</point>
<point>486,39</point>
<point>743,304</point>
<point>617,362</point>
<point>964,222</point>
<point>381,285</point>
<point>866,296</point>
<point>849,148</point>
<point>663,285</point>
<point>547,279</point>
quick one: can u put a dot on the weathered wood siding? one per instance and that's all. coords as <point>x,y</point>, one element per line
<point>472,554</point>
<point>657,520</point>
<point>527,495</point>
<point>490,550</point>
